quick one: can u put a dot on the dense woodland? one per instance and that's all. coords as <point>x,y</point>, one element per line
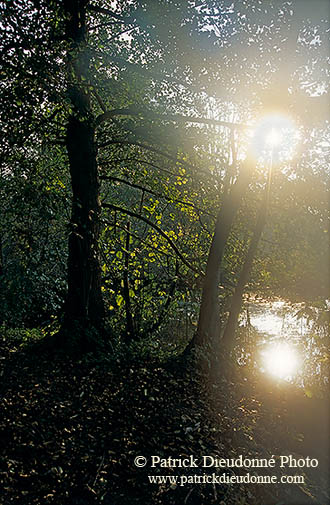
<point>144,211</point>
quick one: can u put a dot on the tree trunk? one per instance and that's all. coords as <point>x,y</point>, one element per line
<point>84,300</point>
<point>208,330</point>
<point>130,330</point>
<point>84,304</point>
<point>228,339</point>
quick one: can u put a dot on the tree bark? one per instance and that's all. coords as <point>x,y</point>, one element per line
<point>208,330</point>
<point>84,304</point>
<point>228,339</point>
<point>130,330</point>
<point>84,300</point>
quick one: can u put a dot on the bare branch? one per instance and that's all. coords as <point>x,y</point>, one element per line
<point>145,162</point>
<point>138,144</point>
<point>150,246</point>
<point>133,67</point>
<point>159,152</point>
<point>108,12</point>
<point>99,99</point>
<point>158,229</point>
<point>102,25</point>
<point>159,195</point>
<point>136,111</point>
<point>114,37</point>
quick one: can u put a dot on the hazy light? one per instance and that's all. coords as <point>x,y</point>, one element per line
<point>275,133</point>
<point>280,360</point>
<point>274,138</point>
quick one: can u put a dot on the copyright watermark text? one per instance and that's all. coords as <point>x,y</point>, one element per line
<point>218,462</point>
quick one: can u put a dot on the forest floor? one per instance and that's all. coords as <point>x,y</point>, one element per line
<point>70,430</point>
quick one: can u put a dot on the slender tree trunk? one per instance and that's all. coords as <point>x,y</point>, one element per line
<point>84,303</point>
<point>1,257</point>
<point>208,330</point>
<point>130,331</point>
<point>228,339</point>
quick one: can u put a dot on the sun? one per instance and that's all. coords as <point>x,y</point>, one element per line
<point>275,133</point>
<point>280,360</point>
<point>274,137</point>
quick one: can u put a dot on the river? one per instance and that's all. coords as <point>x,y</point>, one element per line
<point>287,346</point>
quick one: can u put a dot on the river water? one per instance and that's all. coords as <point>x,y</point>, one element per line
<point>281,334</point>
<point>277,320</point>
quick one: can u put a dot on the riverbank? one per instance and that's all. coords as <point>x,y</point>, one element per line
<point>71,432</point>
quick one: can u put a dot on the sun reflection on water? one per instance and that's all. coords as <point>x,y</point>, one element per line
<point>280,334</point>
<point>280,360</point>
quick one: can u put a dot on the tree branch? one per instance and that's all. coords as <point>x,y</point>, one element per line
<point>108,12</point>
<point>159,152</point>
<point>166,305</point>
<point>158,229</point>
<point>159,195</point>
<point>172,174</point>
<point>106,221</point>
<point>114,37</point>
<point>99,99</point>
<point>133,67</point>
<point>136,111</point>
<point>101,25</point>
<point>138,144</point>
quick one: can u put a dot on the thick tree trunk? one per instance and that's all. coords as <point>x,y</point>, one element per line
<point>208,330</point>
<point>84,304</point>
<point>84,301</point>
<point>228,339</point>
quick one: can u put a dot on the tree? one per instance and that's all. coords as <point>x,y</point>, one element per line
<point>209,322</point>
<point>228,338</point>
<point>270,100</point>
<point>140,145</point>
<point>84,69</point>
<point>34,189</point>
<point>84,304</point>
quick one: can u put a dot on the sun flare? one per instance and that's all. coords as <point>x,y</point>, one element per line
<point>280,360</point>
<point>275,133</point>
<point>274,138</point>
